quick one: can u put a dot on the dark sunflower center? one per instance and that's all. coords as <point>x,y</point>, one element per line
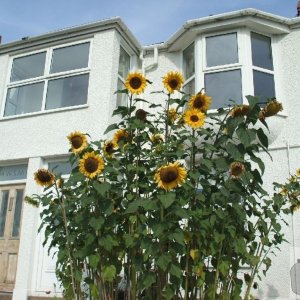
<point>141,114</point>
<point>91,164</point>
<point>76,141</point>
<point>173,83</point>
<point>194,118</point>
<point>109,148</point>
<point>169,174</point>
<point>198,103</point>
<point>135,83</point>
<point>44,176</point>
<point>237,170</point>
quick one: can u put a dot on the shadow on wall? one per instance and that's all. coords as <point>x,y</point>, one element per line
<point>272,292</point>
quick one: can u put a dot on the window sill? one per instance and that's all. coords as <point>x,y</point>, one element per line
<point>44,112</point>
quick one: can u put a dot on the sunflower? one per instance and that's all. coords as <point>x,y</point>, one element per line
<point>170,176</point>
<point>172,115</point>
<point>284,191</point>
<point>120,138</point>
<point>173,81</point>
<point>200,101</point>
<point>298,172</point>
<point>78,141</point>
<point>135,83</point>
<point>44,177</point>
<point>157,138</point>
<point>271,109</point>
<point>194,118</point>
<point>240,110</point>
<point>236,169</point>
<point>91,164</point>
<point>108,148</point>
<point>141,115</point>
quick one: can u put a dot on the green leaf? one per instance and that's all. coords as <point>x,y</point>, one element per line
<point>102,188</point>
<point>94,260</point>
<point>164,261</point>
<point>111,127</point>
<point>96,223</point>
<point>148,280</point>
<point>175,270</point>
<point>262,137</point>
<point>109,273</point>
<point>167,199</point>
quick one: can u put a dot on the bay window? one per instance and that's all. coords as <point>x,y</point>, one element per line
<point>50,79</point>
<point>230,66</point>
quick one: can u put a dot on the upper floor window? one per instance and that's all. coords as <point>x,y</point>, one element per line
<point>222,70</point>
<point>189,69</point>
<point>229,70</point>
<point>262,64</point>
<point>124,68</point>
<point>50,79</point>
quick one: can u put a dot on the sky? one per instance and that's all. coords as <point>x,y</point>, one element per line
<point>151,21</point>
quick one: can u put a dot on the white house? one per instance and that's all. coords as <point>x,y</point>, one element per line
<point>53,84</point>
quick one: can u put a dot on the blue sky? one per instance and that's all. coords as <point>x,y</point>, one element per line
<point>151,21</point>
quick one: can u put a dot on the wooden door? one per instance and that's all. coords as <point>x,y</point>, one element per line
<point>11,203</point>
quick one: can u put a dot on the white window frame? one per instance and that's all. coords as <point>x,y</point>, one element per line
<point>46,77</point>
<point>193,77</point>
<point>119,77</point>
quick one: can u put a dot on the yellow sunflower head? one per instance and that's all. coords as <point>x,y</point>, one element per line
<point>240,110</point>
<point>194,118</point>
<point>284,191</point>
<point>236,169</point>
<point>170,176</point>
<point>44,177</point>
<point>78,141</point>
<point>157,138</point>
<point>173,81</point>
<point>120,138</point>
<point>135,83</point>
<point>108,148</point>
<point>172,115</point>
<point>298,172</point>
<point>272,108</point>
<point>200,101</point>
<point>91,164</point>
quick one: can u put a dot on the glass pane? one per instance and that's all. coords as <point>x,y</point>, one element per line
<point>124,63</point>
<point>188,62</point>
<point>17,214</point>
<point>189,88</point>
<point>3,211</point>
<point>224,86</point>
<point>16,172</point>
<point>60,167</point>
<point>261,51</point>
<point>69,91</point>
<point>121,97</point>
<point>28,67</point>
<point>264,86</point>
<point>70,58</point>
<point>24,99</point>
<point>221,50</point>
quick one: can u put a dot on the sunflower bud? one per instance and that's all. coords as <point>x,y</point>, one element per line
<point>141,115</point>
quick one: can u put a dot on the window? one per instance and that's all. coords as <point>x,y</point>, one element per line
<point>51,79</point>
<point>189,69</point>
<point>229,66</point>
<point>124,68</point>
<point>222,70</point>
<point>262,64</point>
